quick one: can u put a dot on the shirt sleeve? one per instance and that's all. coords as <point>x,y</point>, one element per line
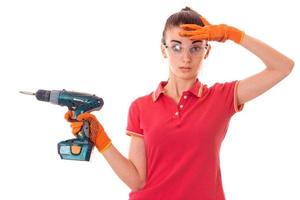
<point>133,121</point>
<point>227,92</point>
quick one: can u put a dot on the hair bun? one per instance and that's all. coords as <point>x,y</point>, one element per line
<point>186,9</point>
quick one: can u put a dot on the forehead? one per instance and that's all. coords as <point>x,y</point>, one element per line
<point>173,34</point>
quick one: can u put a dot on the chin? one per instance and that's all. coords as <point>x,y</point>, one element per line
<point>187,76</point>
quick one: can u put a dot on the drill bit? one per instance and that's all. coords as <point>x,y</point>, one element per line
<point>27,93</point>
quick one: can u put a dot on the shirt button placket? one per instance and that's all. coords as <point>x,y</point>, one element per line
<point>180,106</point>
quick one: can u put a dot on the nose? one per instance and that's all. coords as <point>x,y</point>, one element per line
<point>186,56</point>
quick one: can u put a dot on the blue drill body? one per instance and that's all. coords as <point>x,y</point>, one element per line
<point>79,148</point>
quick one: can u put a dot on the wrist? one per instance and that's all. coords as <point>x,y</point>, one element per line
<point>102,141</point>
<point>105,147</point>
<point>235,34</point>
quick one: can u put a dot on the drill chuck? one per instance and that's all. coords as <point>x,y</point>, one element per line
<point>43,95</point>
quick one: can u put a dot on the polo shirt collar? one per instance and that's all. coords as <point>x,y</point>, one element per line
<point>196,89</point>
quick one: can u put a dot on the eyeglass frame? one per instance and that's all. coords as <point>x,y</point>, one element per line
<point>180,53</point>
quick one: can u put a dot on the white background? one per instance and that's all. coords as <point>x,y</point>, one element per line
<point>111,49</point>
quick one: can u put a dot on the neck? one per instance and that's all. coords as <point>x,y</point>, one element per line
<point>175,86</point>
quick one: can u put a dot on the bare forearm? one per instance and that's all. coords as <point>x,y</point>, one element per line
<point>273,59</point>
<point>123,167</point>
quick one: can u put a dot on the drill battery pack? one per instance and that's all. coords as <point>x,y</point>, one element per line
<point>75,149</point>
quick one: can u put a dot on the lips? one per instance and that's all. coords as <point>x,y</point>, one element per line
<point>185,68</point>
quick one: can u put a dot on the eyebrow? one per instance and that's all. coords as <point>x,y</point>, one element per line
<point>176,41</point>
<point>192,42</point>
<point>197,41</point>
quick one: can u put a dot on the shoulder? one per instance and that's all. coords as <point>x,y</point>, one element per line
<point>223,87</point>
<point>143,100</point>
<point>219,90</point>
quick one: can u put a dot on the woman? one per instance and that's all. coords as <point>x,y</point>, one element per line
<point>177,130</point>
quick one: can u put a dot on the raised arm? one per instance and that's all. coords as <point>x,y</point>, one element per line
<point>278,66</point>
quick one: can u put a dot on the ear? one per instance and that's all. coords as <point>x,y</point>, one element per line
<point>163,50</point>
<point>207,52</point>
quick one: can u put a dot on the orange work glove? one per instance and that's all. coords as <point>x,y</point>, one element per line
<point>97,133</point>
<point>209,32</point>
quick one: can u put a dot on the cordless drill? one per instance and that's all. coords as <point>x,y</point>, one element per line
<point>79,148</point>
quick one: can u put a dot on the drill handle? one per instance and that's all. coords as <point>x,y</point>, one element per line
<point>85,130</point>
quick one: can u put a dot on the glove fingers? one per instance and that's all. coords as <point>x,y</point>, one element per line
<point>190,26</point>
<point>86,116</point>
<point>76,126</point>
<point>191,33</point>
<point>68,116</point>
<point>203,36</point>
<point>204,21</point>
<point>75,131</point>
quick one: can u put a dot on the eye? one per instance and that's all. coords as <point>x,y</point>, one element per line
<point>196,49</point>
<point>176,48</point>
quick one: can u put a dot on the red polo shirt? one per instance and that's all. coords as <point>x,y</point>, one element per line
<point>183,140</point>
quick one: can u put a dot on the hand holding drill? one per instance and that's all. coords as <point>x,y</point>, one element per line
<point>97,133</point>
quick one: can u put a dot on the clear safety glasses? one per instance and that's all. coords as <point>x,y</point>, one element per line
<point>195,50</point>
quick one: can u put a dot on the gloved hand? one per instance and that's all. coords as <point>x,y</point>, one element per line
<point>97,133</point>
<point>209,32</point>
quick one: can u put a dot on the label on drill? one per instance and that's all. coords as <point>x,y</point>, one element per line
<point>65,150</point>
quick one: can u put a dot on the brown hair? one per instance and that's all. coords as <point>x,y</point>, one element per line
<point>185,16</point>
